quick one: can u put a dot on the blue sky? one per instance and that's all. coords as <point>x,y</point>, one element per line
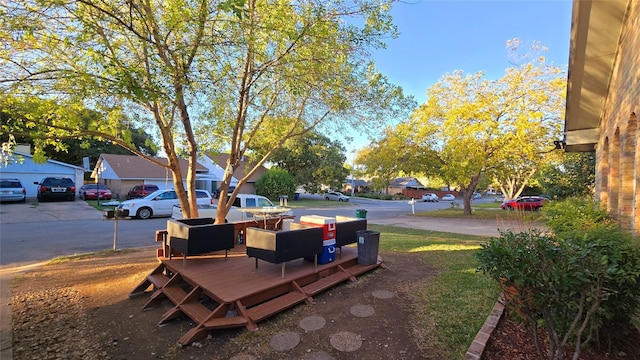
<point>439,37</point>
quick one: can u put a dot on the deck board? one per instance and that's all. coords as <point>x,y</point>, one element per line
<point>236,282</point>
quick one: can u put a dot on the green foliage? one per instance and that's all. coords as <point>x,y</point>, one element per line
<point>577,216</point>
<point>573,176</point>
<point>498,129</point>
<point>576,282</point>
<point>276,182</point>
<point>314,160</point>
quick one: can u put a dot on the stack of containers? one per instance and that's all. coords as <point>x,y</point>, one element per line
<point>328,225</point>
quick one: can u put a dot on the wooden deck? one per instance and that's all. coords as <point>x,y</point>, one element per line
<point>216,293</point>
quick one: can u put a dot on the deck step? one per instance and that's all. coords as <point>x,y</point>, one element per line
<point>174,293</point>
<point>225,322</point>
<point>358,269</point>
<point>195,311</point>
<point>158,280</point>
<point>276,305</point>
<point>325,283</point>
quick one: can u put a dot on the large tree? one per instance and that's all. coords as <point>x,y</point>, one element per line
<point>314,160</point>
<point>69,149</point>
<point>394,154</point>
<point>206,75</point>
<point>492,127</point>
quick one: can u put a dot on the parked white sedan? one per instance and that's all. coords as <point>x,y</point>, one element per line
<point>335,195</point>
<point>448,197</point>
<point>159,203</point>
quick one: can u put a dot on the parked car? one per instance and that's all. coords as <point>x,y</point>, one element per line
<point>143,190</point>
<point>12,190</point>
<point>234,214</point>
<point>210,211</point>
<point>533,203</point>
<point>56,188</point>
<point>93,191</point>
<point>159,203</point>
<point>476,195</point>
<point>430,197</point>
<point>335,195</point>
<point>448,197</point>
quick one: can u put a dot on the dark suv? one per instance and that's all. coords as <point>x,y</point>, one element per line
<point>56,188</point>
<point>139,191</point>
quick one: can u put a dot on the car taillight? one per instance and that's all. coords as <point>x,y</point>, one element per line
<point>211,201</point>
<point>24,191</point>
<point>73,189</point>
<point>43,188</point>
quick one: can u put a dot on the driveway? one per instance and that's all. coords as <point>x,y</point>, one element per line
<point>34,211</point>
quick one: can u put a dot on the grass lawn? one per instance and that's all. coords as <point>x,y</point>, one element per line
<point>453,306</point>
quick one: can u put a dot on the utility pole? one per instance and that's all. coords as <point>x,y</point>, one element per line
<point>353,166</point>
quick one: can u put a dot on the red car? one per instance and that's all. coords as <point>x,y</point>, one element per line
<point>533,203</point>
<point>91,191</point>
<point>140,191</point>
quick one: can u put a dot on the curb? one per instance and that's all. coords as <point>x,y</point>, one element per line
<point>479,343</point>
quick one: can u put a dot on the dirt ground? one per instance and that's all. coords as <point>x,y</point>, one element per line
<point>80,310</point>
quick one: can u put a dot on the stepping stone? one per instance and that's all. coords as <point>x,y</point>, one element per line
<point>383,294</point>
<point>284,341</point>
<point>312,323</point>
<point>320,355</point>
<point>346,341</point>
<point>362,311</point>
<point>244,357</point>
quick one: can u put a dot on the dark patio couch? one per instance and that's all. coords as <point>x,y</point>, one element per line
<point>346,228</point>
<point>281,246</point>
<point>199,236</point>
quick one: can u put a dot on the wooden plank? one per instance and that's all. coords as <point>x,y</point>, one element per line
<point>144,284</point>
<point>225,322</point>
<point>195,311</point>
<point>274,306</point>
<point>175,293</point>
<point>158,280</point>
<point>325,283</point>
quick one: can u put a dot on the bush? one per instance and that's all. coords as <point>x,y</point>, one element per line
<point>576,282</point>
<point>275,183</point>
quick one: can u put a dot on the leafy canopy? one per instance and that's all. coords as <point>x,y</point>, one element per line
<point>215,76</point>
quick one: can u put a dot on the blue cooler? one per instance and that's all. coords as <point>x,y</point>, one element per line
<point>328,252</point>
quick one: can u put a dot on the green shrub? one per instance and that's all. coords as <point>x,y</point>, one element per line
<point>575,283</point>
<point>275,183</point>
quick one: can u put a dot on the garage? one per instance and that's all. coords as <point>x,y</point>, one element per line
<point>21,166</point>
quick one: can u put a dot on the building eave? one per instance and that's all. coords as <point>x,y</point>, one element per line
<point>595,33</point>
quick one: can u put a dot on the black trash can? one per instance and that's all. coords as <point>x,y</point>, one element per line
<point>361,213</point>
<point>368,243</point>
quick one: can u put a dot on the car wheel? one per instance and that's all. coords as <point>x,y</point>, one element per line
<point>144,213</point>
<point>326,198</point>
<point>510,208</point>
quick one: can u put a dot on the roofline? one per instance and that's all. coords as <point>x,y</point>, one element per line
<point>595,35</point>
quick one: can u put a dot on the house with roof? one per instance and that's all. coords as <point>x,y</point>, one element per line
<point>399,185</point>
<point>602,101</point>
<point>250,186</point>
<point>122,172</point>
<point>21,166</point>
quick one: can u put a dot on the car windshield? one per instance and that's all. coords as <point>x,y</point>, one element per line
<point>58,182</point>
<point>95,186</point>
<point>10,184</point>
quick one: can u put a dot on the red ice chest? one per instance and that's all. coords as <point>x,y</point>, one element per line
<point>328,225</point>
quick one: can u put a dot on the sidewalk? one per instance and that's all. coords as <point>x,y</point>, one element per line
<point>487,228</point>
